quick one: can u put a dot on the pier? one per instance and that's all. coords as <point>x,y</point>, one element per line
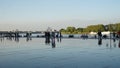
<point>22,33</point>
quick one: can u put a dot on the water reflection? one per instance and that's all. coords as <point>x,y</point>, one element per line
<point>53,39</point>
<point>50,37</point>
<point>114,36</point>
<point>17,39</point>
<point>1,39</point>
<point>71,51</point>
<point>99,41</point>
<point>53,43</point>
<point>119,44</point>
<point>28,39</point>
<point>58,37</point>
<point>107,45</point>
<point>113,44</point>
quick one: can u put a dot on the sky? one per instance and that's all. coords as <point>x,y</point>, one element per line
<point>38,15</point>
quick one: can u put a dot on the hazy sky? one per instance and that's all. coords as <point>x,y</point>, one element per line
<point>41,14</point>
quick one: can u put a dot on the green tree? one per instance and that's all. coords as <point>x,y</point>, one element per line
<point>95,28</point>
<point>117,26</point>
<point>70,29</point>
<point>79,30</point>
<point>63,30</point>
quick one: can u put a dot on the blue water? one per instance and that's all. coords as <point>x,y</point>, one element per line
<point>69,53</point>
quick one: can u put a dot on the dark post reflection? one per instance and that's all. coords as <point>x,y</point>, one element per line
<point>53,39</point>
<point>28,39</point>
<point>51,36</point>
<point>100,42</point>
<point>47,37</point>
<point>17,39</point>
<point>1,36</point>
<point>114,36</point>
<point>28,36</point>
<point>114,45</point>
<point>119,44</point>
<point>58,36</point>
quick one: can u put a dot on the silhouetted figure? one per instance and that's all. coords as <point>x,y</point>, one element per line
<point>118,34</point>
<point>0,35</point>
<point>27,34</point>
<point>99,37</point>
<point>60,36</point>
<point>99,34</point>
<point>47,37</point>
<point>57,36</point>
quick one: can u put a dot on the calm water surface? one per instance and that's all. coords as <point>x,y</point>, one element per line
<point>69,53</point>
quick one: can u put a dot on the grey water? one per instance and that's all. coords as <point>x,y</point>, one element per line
<point>69,53</point>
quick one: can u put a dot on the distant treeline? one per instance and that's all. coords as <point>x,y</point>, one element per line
<point>94,28</point>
